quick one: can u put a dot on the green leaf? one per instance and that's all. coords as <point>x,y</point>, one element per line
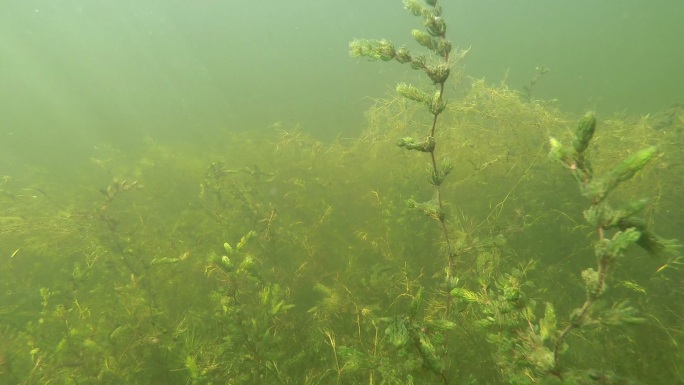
<point>585,131</point>
<point>466,295</point>
<point>630,165</point>
<point>410,92</point>
<point>397,331</point>
<point>622,240</point>
<point>634,287</point>
<point>591,282</point>
<point>430,356</point>
<point>163,261</point>
<point>440,325</point>
<point>621,313</point>
<point>547,325</point>
<point>598,189</point>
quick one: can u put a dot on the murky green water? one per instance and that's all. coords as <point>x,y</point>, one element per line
<point>212,193</point>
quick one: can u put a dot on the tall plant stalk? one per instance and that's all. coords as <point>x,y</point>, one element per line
<point>628,229</point>
<point>434,39</point>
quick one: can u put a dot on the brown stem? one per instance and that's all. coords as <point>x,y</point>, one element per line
<point>592,296</point>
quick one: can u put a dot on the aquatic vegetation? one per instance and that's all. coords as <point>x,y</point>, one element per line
<point>441,246</point>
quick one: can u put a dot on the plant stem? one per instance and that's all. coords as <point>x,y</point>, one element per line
<point>578,321</point>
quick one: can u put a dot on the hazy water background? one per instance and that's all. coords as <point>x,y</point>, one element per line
<point>76,75</point>
<point>99,80</point>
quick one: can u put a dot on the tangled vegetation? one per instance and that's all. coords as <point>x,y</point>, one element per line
<point>274,258</point>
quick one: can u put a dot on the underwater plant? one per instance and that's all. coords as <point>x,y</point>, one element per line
<point>437,70</point>
<point>275,258</point>
<point>409,329</point>
<point>626,226</point>
<point>525,354</point>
